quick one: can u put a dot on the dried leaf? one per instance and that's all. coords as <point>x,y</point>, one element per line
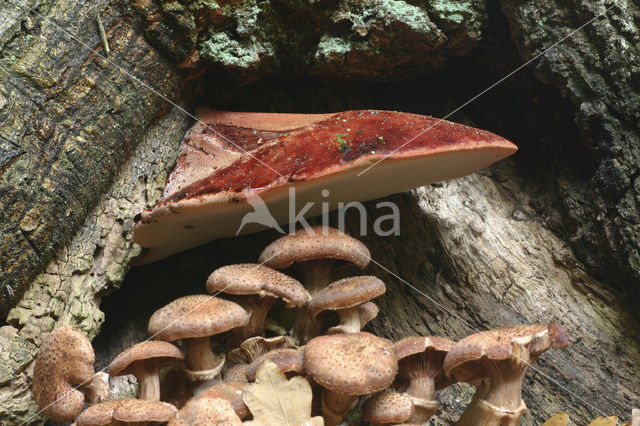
<point>560,419</point>
<point>601,421</point>
<point>274,400</point>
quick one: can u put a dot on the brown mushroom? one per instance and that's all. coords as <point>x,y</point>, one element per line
<point>347,366</point>
<point>420,362</point>
<point>206,411</point>
<point>502,356</point>
<point>315,253</point>
<point>311,154</point>
<point>230,391</point>
<point>144,360</point>
<point>388,407</point>
<point>250,350</point>
<point>260,288</point>
<point>346,296</point>
<point>289,361</point>
<point>194,319</point>
<point>137,412</point>
<point>63,370</point>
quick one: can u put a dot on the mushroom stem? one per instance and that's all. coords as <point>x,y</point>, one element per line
<point>349,321</point>
<point>500,402</point>
<point>336,406</point>
<point>258,309</point>
<point>200,356</point>
<point>315,274</point>
<point>148,381</point>
<point>422,387</point>
<point>305,326</point>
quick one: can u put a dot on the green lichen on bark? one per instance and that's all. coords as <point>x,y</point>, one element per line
<point>347,39</point>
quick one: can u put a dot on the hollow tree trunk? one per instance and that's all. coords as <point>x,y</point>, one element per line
<point>83,149</point>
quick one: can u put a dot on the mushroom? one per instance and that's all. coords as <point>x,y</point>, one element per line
<point>287,360</point>
<point>250,350</point>
<point>346,296</point>
<point>144,360</point>
<point>333,153</point>
<point>502,356</point>
<point>64,362</point>
<point>194,319</point>
<point>347,366</point>
<point>206,411</point>
<point>230,391</point>
<point>314,254</point>
<point>137,412</point>
<point>260,287</point>
<point>388,407</point>
<point>420,362</point>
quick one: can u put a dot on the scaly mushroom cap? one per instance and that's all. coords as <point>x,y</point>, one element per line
<point>326,152</point>
<point>195,316</point>
<point>321,243</point>
<point>461,364</point>
<point>253,278</point>
<point>287,360</point>
<point>65,360</point>
<point>346,293</point>
<point>351,364</point>
<point>128,410</point>
<point>388,407</point>
<point>367,312</point>
<point>207,411</point>
<point>140,410</point>
<point>99,414</point>
<point>230,391</point>
<point>157,352</point>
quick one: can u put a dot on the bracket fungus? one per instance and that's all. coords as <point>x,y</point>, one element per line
<point>315,155</point>
<point>194,319</point>
<point>502,356</point>
<point>144,360</point>
<point>64,362</point>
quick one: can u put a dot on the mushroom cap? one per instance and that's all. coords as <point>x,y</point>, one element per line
<point>321,243</point>
<point>99,414</point>
<point>207,411</point>
<point>65,360</point>
<point>232,392</point>
<point>326,152</point>
<point>252,348</point>
<point>253,278</point>
<point>126,410</point>
<point>159,352</point>
<point>195,316</point>
<point>346,293</point>
<point>408,346</point>
<point>388,407</point>
<point>351,364</point>
<point>287,360</point>
<point>461,363</point>
<point>367,312</point>
<point>140,410</point>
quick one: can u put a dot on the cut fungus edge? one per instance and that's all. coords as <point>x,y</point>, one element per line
<point>310,159</point>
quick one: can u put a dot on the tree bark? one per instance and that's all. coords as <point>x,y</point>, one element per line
<point>551,234</point>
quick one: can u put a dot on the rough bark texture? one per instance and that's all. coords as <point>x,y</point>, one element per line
<point>551,235</point>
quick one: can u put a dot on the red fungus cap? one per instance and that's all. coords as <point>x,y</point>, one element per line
<point>326,152</point>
